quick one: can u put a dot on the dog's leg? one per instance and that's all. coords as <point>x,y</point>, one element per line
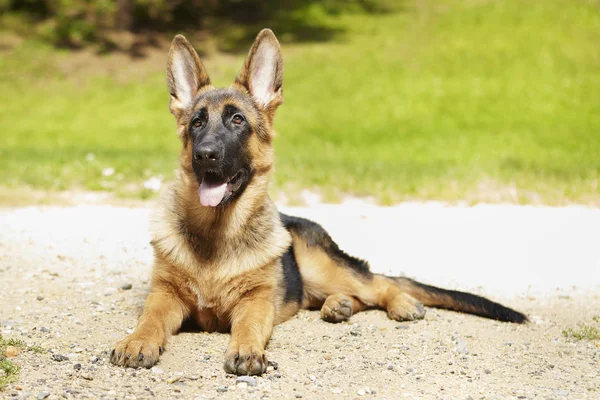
<point>162,316</point>
<point>340,284</point>
<point>251,326</point>
<point>399,305</point>
<point>326,270</point>
<point>339,307</point>
<point>352,295</point>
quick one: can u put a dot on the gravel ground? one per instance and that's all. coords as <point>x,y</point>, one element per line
<point>73,281</point>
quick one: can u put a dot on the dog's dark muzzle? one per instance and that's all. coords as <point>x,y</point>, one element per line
<point>208,154</point>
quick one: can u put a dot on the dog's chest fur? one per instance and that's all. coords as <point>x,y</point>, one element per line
<point>214,272</point>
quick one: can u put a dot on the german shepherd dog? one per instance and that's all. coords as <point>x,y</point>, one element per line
<point>224,256</point>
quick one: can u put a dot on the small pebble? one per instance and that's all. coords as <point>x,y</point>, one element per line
<point>156,370</point>
<point>298,395</point>
<point>402,326</point>
<point>77,366</point>
<point>59,357</point>
<point>126,286</point>
<point>40,298</point>
<point>274,376</point>
<point>42,395</point>
<point>361,392</point>
<point>273,364</point>
<point>87,376</point>
<point>222,389</point>
<point>487,371</point>
<point>44,329</point>
<point>246,379</point>
<point>461,347</point>
<point>12,351</point>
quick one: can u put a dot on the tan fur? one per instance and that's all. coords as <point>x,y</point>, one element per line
<point>222,266</point>
<point>208,264</point>
<point>323,278</point>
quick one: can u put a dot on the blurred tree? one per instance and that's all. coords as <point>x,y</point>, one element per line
<point>124,14</point>
<point>77,22</point>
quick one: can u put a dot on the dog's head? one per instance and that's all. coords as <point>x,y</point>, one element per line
<point>226,132</point>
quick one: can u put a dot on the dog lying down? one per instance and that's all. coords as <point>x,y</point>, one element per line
<point>224,256</point>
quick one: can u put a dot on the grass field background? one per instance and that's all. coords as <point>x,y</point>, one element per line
<point>448,100</point>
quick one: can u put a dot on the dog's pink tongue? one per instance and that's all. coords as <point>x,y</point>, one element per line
<point>211,194</point>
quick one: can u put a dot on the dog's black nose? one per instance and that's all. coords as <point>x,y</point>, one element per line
<point>207,152</point>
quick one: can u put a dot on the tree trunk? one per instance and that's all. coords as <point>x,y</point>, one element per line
<point>124,15</point>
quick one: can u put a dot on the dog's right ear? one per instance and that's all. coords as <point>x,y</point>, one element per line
<point>185,75</point>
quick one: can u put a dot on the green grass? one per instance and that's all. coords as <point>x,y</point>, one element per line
<point>36,348</point>
<point>11,370</point>
<point>12,342</point>
<point>582,332</point>
<point>20,344</point>
<point>446,100</point>
<point>10,375</point>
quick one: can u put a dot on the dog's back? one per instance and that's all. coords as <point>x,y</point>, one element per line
<point>224,256</point>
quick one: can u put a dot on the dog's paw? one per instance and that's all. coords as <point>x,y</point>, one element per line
<point>134,351</point>
<point>405,308</point>
<point>245,360</point>
<point>337,308</point>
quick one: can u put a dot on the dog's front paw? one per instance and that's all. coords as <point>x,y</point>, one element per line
<point>135,351</point>
<point>245,360</point>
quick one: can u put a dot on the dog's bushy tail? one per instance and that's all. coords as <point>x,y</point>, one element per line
<point>432,296</point>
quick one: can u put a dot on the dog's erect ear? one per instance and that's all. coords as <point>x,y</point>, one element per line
<point>185,74</point>
<point>262,73</point>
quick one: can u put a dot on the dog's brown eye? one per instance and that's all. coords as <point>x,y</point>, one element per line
<point>197,123</point>
<point>237,119</point>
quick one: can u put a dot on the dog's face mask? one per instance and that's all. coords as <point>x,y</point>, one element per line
<point>219,131</point>
<point>226,133</point>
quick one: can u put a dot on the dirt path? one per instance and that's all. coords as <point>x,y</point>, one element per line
<point>65,276</point>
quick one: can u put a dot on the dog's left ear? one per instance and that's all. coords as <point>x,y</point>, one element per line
<point>262,73</point>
